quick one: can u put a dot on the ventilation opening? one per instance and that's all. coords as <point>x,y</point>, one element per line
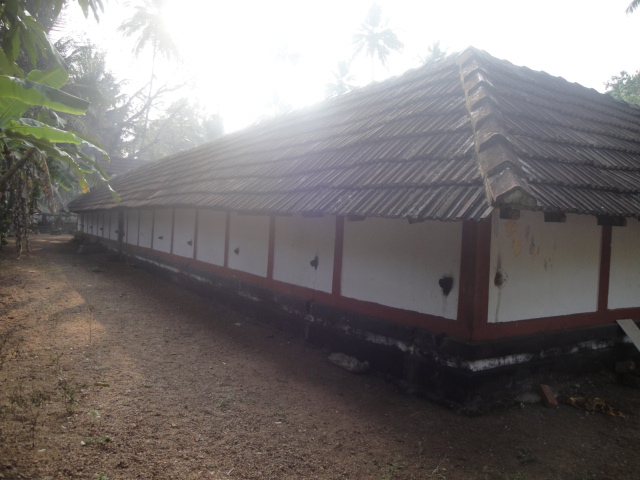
<point>446,283</point>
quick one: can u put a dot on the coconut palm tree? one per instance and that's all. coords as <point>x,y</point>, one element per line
<point>375,38</point>
<point>151,29</point>
<point>632,6</point>
<point>434,53</point>
<point>341,82</point>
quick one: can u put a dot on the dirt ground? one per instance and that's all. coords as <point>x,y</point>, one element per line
<point>109,373</point>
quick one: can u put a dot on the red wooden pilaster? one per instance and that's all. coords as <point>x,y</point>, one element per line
<point>226,239</point>
<point>336,286</point>
<point>605,268</point>
<point>173,228</point>
<point>473,296</point>
<point>195,234</point>
<point>272,245</point>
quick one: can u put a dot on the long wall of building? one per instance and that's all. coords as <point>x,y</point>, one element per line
<point>429,302</point>
<point>386,262</point>
<point>386,267</point>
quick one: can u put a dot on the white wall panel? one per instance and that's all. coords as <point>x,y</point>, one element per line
<point>542,269</point>
<point>184,231</point>
<point>131,232</point>
<point>394,263</point>
<point>103,224</point>
<point>211,236</point>
<point>113,224</point>
<point>92,224</point>
<point>299,241</point>
<point>249,243</point>
<point>624,279</point>
<point>162,222</point>
<point>146,227</point>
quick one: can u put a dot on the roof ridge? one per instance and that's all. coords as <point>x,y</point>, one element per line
<point>504,178</point>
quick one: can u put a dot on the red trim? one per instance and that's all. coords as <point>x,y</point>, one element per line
<point>605,269</point>
<point>473,294</point>
<point>173,227</point>
<point>404,317</point>
<point>126,226</point>
<point>227,227</point>
<point>195,234</point>
<point>459,329</point>
<point>338,249</point>
<point>272,245</point>
<point>541,325</point>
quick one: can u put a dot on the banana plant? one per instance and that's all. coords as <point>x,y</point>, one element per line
<point>41,89</point>
<point>29,146</point>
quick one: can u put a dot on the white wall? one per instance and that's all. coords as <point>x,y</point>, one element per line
<point>394,263</point>
<point>146,226</point>
<point>162,223</point>
<point>113,224</point>
<point>184,231</point>
<point>211,234</point>
<point>547,268</point>
<point>249,236</point>
<point>624,279</point>
<point>103,224</point>
<point>298,240</point>
<point>92,224</point>
<point>131,232</point>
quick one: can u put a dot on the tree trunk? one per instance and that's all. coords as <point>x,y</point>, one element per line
<point>14,168</point>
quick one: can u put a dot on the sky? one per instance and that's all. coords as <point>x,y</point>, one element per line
<point>232,50</point>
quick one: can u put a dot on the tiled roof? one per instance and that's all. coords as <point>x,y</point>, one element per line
<point>449,142</point>
<point>118,165</point>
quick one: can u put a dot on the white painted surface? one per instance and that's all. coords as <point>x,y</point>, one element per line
<point>92,223</point>
<point>394,263</point>
<point>298,241</point>
<point>162,221</point>
<point>624,279</point>
<point>631,329</point>
<point>184,231</point>
<point>146,227</point>
<point>249,236</point>
<point>548,268</point>
<point>211,234</point>
<point>103,224</point>
<point>106,223</point>
<point>113,224</point>
<point>131,232</point>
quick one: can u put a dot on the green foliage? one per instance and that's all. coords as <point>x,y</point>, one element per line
<point>625,87</point>
<point>342,81</point>
<point>69,392</point>
<point>32,137</point>
<point>434,53</point>
<point>26,407</point>
<point>108,116</point>
<point>182,126</point>
<point>149,25</point>
<point>375,38</point>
